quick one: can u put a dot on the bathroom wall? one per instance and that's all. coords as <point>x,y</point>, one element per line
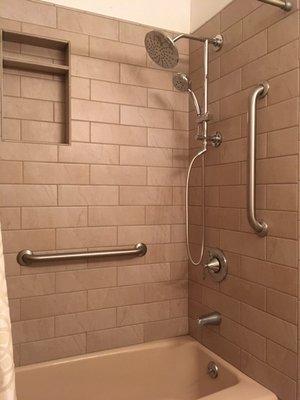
<point>258,299</point>
<point>118,183</point>
<point>187,15</point>
<point>203,10</point>
<point>150,12</point>
<point>121,181</point>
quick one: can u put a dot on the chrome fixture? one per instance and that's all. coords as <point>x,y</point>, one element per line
<point>183,84</point>
<point>162,49</point>
<point>213,370</point>
<point>214,318</point>
<point>216,267</point>
<point>283,4</point>
<point>260,227</point>
<point>215,140</point>
<point>27,257</point>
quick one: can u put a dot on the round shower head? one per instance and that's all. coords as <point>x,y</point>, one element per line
<point>181,82</point>
<point>161,49</point>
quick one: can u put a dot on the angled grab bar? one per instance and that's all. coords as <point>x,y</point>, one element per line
<point>27,257</point>
<point>260,227</point>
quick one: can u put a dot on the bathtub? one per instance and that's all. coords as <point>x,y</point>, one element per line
<point>169,369</point>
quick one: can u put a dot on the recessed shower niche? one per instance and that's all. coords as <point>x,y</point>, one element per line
<point>35,89</point>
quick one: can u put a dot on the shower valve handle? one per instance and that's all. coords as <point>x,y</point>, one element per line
<point>212,266</point>
<point>216,268</point>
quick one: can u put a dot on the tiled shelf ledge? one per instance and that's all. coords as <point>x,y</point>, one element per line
<point>21,63</point>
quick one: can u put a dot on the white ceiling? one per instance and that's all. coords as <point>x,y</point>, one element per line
<point>177,15</point>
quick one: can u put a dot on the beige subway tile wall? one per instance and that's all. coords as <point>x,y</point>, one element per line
<point>118,183</point>
<point>259,298</point>
<point>122,180</point>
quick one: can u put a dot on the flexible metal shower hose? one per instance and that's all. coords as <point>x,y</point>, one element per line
<point>195,263</point>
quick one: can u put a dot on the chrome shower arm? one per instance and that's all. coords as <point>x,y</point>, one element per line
<point>217,41</point>
<point>283,4</point>
<point>191,37</point>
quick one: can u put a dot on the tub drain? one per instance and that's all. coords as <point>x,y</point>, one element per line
<point>213,370</point>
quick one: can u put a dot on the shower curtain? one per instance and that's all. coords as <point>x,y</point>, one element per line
<point>7,372</point>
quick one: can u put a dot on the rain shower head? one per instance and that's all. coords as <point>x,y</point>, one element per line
<point>182,83</point>
<point>161,49</point>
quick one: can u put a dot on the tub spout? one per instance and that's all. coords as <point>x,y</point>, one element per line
<point>214,318</point>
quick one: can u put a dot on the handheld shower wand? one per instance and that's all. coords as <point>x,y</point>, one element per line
<point>182,83</point>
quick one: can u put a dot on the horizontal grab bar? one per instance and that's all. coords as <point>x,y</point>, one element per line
<point>260,227</point>
<point>27,257</point>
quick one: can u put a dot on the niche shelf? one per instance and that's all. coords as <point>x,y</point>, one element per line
<point>43,63</point>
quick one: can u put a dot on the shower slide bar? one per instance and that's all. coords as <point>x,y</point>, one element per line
<point>27,257</point>
<point>283,4</point>
<point>260,227</point>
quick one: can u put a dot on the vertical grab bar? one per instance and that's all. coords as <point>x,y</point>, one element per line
<point>260,227</point>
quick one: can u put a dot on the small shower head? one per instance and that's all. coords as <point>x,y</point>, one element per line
<point>182,82</point>
<point>161,49</point>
